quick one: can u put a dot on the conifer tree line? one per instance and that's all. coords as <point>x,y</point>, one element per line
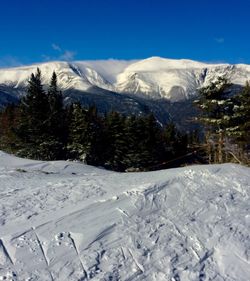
<point>226,119</point>
<point>40,127</point>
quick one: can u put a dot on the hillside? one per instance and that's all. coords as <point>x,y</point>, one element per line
<point>68,221</point>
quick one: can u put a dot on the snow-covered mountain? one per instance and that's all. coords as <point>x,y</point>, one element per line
<point>129,87</point>
<point>68,221</point>
<point>154,77</point>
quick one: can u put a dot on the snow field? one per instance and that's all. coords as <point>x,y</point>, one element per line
<point>68,221</point>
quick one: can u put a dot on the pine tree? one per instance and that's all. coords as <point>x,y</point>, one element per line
<point>244,112</point>
<point>86,140</point>
<point>215,107</point>
<point>151,143</point>
<point>56,122</point>
<point>145,148</point>
<point>133,134</point>
<point>116,140</point>
<point>8,119</point>
<point>76,132</point>
<point>95,139</point>
<point>32,128</point>
<point>170,142</point>
<point>238,127</point>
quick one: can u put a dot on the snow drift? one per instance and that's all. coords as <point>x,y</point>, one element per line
<point>68,221</point>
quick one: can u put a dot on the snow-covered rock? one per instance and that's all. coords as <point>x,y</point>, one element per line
<point>68,221</point>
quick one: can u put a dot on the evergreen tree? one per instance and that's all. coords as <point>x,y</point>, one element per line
<point>95,138</point>
<point>239,122</point>
<point>238,127</point>
<point>215,107</point>
<point>56,122</point>
<point>144,143</point>
<point>151,144</point>
<point>8,120</point>
<point>32,128</point>
<point>86,139</point>
<point>116,141</point>
<point>133,134</point>
<point>76,132</point>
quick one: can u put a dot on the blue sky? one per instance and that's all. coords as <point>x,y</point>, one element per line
<point>205,30</point>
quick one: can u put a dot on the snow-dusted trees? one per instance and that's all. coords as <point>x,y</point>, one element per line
<point>238,127</point>
<point>226,120</point>
<point>214,111</point>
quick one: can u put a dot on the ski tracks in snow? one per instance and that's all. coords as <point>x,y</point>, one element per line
<point>187,224</point>
<point>38,259</point>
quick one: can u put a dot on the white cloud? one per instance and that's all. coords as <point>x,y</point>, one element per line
<point>219,40</point>
<point>56,47</point>
<point>62,54</point>
<point>46,57</point>
<point>67,55</point>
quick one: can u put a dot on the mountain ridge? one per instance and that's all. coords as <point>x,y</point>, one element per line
<point>129,87</point>
<point>154,77</point>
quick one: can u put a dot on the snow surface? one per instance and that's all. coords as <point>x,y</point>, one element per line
<point>154,77</point>
<point>68,221</point>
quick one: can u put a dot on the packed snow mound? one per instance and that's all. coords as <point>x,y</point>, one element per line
<point>154,77</point>
<point>68,221</point>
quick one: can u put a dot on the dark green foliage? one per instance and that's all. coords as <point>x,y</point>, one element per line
<point>32,127</point>
<point>85,135</point>
<point>175,142</point>
<point>239,121</point>
<point>244,112</point>
<point>214,104</point>
<point>9,120</point>
<point>151,142</point>
<point>238,126</point>
<point>76,132</point>
<point>135,135</point>
<point>39,130</point>
<point>118,142</point>
<point>116,150</point>
<point>56,122</point>
<point>227,121</point>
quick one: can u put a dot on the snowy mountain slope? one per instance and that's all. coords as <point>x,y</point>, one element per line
<point>176,79</point>
<point>69,76</point>
<point>68,221</point>
<point>154,77</point>
<point>108,69</point>
<point>76,75</point>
